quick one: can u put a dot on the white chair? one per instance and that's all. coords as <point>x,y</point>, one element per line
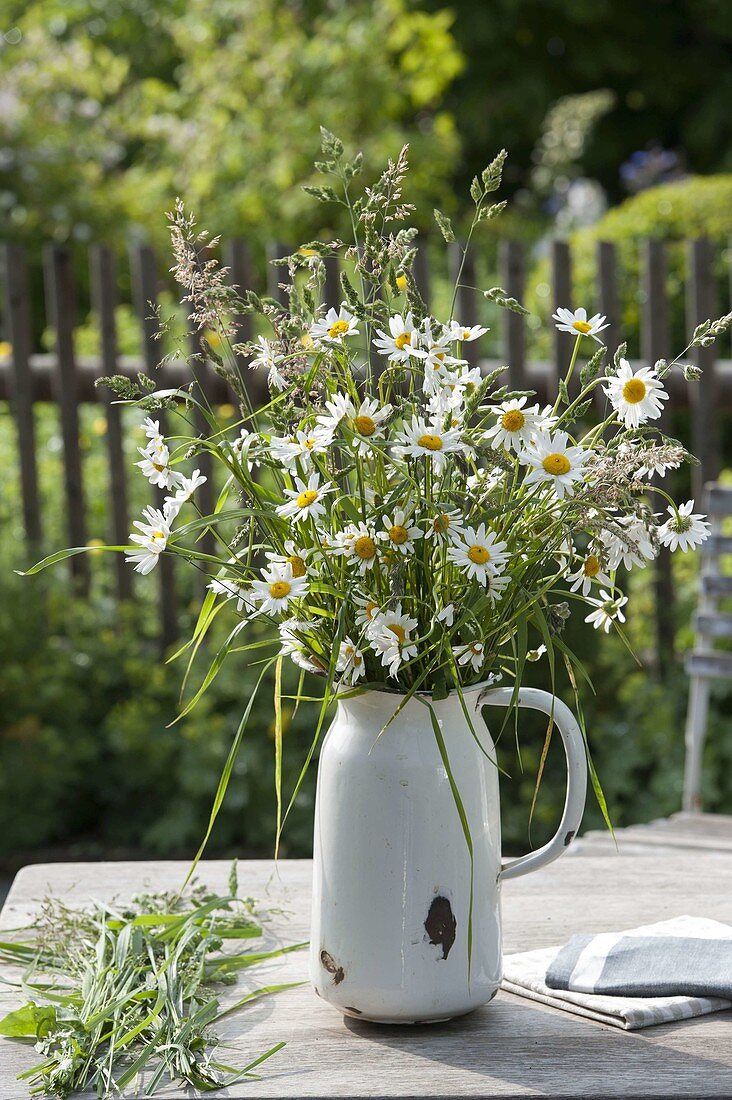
<point>706,663</point>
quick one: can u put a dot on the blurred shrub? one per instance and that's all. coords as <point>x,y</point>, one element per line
<point>86,749</point>
<point>674,212</point>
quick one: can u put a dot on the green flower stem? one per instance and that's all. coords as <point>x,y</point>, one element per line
<point>570,369</point>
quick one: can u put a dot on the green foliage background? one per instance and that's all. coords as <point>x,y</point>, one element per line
<point>90,764</point>
<point>108,109</point>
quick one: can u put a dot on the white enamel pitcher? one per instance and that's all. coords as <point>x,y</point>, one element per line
<point>392,878</point>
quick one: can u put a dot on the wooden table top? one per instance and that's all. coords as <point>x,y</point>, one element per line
<point>511,1048</point>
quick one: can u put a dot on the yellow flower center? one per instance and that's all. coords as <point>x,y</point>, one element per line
<point>400,632</point>
<point>634,391</point>
<point>441,523</point>
<point>338,328</point>
<point>403,339</point>
<point>309,444</point>
<point>557,464</point>
<point>280,589</point>
<point>356,658</point>
<point>581,326</point>
<point>513,420</point>
<point>307,498</point>
<point>430,442</point>
<point>479,555</point>
<point>158,467</point>
<point>398,534</point>
<point>306,340</point>
<point>364,548</point>
<point>365,425</point>
<point>158,535</point>
<point>298,565</point>
<point>401,282</point>
<point>370,610</point>
<point>591,566</point>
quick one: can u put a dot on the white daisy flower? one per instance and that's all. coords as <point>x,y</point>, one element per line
<point>293,556</point>
<point>546,420</point>
<point>399,533</point>
<point>156,467</point>
<point>389,637</point>
<point>479,554</point>
<point>471,654</point>
<point>241,447</point>
<point>636,396</point>
<point>152,538</point>
<point>554,461</point>
<point>186,488</point>
<point>292,645</point>
<point>358,543</point>
<point>515,426</point>
<point>350,662</point>
<point>267,360</point>
<point>608,610</point>
<point>278,587</point>
<point>446,615</point>
<point>334,327</point>
<point>589,571</point>
<point>401,341</point>
<point>495,585</point>
<point>368,609</point>
<point>368,423</point>
<point>300,447</point>
<point>684,529</point>
<point>633,547</point>
<point>151,429</point>
<point>465,333</point>
<point>233,589</point>
<point>338,406</point>
<point>484,481</point>
<point>305,500</point>
<point>578,324</point>
<point>447,526</point>
<point>420,439</point>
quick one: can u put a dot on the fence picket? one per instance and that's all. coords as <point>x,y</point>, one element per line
<point>655,340</point>
<point>17,304</point>
<point>104,299</point>
<point>466,299</point>
<point>700,306</point>
<point>61,310</point>
<point>562,342</point>
<point>277,274</point>
<point>607,291</point>
<point>61,377</point>
<point>145,293</point>
<point>511,258</point>
<point>421,269</point>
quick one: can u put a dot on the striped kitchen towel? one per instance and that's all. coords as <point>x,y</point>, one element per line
<point>673,970</point>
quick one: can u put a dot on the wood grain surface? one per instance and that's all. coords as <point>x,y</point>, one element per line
<point>512,1048</point>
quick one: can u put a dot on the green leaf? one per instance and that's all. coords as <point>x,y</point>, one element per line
<point>30,1021</point>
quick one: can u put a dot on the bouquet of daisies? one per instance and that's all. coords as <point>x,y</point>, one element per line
<point>394,515</point>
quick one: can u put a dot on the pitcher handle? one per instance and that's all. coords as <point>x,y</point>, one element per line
<point>574,749</point>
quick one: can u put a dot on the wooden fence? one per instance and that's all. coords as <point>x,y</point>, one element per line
<point>68,380</point>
